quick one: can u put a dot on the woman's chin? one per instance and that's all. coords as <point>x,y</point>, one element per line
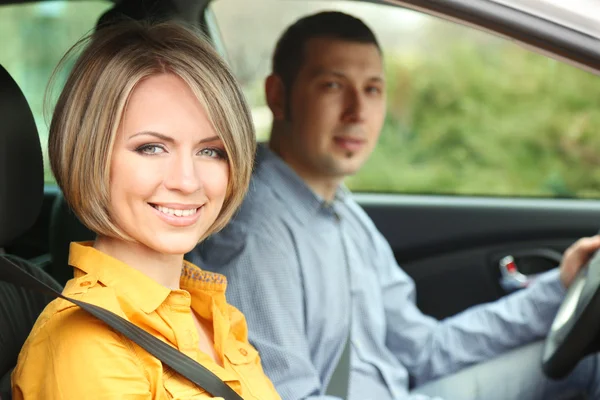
<point>173,246</point>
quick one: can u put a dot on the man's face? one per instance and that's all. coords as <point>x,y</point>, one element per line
<point>337,108</point>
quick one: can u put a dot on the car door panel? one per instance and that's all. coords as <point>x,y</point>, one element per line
<point>452,247</point>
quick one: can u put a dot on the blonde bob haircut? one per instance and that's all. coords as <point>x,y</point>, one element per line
<point>90,107</point>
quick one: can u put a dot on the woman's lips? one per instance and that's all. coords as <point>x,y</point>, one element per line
<point>177,216</point>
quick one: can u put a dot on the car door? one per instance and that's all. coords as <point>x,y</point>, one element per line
<point>488,147</point>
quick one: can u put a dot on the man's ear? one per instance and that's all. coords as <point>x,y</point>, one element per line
<point>275,93</point>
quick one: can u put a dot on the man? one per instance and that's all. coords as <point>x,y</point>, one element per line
<point>308,267</point>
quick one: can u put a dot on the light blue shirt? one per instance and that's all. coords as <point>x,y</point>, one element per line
<point>298,268</point>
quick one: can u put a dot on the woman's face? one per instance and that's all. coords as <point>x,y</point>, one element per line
<point>169,169</point>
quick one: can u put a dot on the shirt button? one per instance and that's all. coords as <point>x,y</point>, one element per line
<point>179,299</point>
<point>85,283</point>
<point>243,352</point>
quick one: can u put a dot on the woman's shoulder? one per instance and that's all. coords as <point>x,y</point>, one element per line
<point>70,350</point>
<point>65,335</point>
<point>63,321</point>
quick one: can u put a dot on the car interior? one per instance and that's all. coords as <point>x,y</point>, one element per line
<point>23,190</point>
<point>460,249</point>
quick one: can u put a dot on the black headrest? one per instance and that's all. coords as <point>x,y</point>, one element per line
<point>138,10</point>
<point>21,166</point>
<point>65,228</point>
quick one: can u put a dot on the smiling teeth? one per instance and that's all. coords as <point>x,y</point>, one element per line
<point>177,213</point>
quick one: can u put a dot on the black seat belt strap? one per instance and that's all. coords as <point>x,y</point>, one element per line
<point>179,362</point>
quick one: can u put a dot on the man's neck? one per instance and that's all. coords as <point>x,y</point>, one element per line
<point>326,189</point>
<point>323,186</point>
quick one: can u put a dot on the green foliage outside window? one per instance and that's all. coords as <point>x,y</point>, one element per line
<point>33,38</point>
<point>487,120</point>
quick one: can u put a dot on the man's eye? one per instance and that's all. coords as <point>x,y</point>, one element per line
<point>374,90</point>
<point>332,85</point>
<point>150,149</point>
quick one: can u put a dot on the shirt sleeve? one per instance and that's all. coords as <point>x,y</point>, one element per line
<point>75,356</point>
<point>431,349</point>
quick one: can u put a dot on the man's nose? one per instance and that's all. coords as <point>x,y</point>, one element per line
<point>355,106</point>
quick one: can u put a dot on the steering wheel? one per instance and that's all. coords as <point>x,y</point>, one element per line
<point>576,327</point>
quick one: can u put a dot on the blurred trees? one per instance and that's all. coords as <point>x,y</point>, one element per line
<point>490,120</point>
<point>33,38</point>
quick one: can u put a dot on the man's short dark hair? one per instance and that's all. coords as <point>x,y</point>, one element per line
<point>289,51</point>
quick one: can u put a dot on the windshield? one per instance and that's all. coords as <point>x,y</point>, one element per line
<point>579,15</point>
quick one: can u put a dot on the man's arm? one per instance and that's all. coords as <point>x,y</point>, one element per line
<point>487,330</point>
<point>431,349</point>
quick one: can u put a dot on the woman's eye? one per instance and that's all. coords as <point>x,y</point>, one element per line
<point>150,149</point>
<point>213,152</point>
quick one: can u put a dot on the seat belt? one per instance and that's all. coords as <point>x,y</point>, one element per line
<point>338,384</point>
<point>340,379</point>
<point>179,362</point>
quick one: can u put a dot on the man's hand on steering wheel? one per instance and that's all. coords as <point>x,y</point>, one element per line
<point>575,331</point>
<point>576,257</point>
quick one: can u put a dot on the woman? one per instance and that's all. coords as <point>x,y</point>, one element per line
<point>152,145</point>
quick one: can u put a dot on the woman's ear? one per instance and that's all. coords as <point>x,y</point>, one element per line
<point>275,94</point>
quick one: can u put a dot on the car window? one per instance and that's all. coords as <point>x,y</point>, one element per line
<point>469,113</point>
<point>33,38</point>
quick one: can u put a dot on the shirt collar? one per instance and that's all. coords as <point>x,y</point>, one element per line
<point>289,186</point>
<point>192,277</point>
<point>141,289</point>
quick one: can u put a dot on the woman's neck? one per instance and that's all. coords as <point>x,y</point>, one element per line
<point>163,268</point>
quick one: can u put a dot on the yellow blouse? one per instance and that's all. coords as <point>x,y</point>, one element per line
<point>70,354</point>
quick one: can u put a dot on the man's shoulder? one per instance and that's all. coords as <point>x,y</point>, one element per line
<point>263,207</point>
<point>263,226</point>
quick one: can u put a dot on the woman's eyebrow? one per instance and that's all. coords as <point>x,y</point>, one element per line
<point>170,139</point>
<point>155,134</point>
<point>210,139</point>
